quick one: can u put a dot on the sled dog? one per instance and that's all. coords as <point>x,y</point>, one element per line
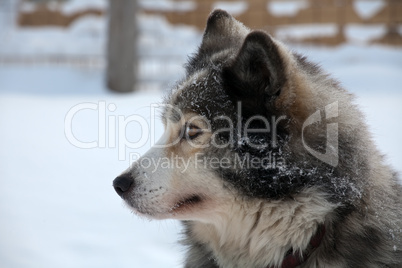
<point>267,161</point>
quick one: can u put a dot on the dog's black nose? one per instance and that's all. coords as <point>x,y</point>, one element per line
<point>123,183</point>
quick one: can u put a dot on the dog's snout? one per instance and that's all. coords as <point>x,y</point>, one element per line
<point>123,183</point>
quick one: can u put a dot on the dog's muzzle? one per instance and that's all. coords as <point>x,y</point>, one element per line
<point>123,183</point>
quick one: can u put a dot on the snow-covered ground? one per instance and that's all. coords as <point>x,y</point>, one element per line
<point>57,204</point>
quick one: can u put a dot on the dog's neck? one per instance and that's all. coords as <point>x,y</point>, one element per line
<point>294,259</point>
<point>260,233</point>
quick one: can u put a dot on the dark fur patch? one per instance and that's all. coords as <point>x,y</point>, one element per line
<point>256,76</point>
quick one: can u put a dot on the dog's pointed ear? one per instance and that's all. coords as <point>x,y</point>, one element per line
<point>257,74</point>
<point>221,31</point>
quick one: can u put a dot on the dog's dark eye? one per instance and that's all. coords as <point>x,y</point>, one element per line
<point>193,132</point>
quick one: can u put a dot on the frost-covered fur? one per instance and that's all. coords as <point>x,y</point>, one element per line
<point>247,216</point>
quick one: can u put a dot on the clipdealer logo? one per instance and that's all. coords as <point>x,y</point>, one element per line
<point>331,155</point>
<point>112,130</point>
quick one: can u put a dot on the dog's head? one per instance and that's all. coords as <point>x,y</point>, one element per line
<point>228,128</point>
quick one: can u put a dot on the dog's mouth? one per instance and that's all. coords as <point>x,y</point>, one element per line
<point>187,203</point>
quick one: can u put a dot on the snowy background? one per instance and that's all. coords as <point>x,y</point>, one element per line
<point>57,204</point>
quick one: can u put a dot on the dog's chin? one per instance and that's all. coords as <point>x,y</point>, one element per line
<point>178,210</point>
<point>151,213</point>
<point>186,204</point>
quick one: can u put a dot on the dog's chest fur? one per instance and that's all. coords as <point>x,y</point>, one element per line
<point>259,234</point>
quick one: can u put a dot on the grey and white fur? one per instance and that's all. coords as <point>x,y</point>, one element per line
<point>254,216</point>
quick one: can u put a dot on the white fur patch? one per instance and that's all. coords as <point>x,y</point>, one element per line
<point>259,233</point>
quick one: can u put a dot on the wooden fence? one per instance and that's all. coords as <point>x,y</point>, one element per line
<point>258,15</point>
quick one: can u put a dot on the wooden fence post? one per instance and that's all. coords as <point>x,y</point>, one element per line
<point>121,48</point>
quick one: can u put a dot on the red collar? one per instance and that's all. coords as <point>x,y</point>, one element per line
<point>293,260</point>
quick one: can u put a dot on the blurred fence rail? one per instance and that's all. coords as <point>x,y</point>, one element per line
<point>271,15</point>
<point>84,61</point>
